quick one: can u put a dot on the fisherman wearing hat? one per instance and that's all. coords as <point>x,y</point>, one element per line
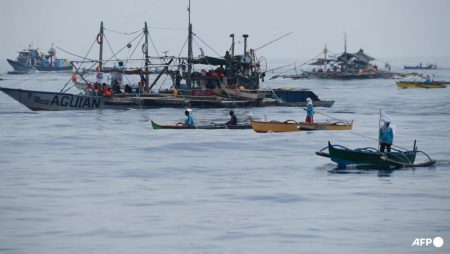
<point>386,137</point>
<point>309,111</point>
<point>190,119</point>
<point>233,120</point>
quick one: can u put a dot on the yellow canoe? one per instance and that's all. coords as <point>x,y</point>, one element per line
<point>291,125</point>
<point>412,84</point>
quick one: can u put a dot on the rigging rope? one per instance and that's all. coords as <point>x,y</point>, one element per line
<point>279,38</point>
<point>184,45</point>
<point>154,47</point>
<point>295,66</point>
<point>112,51</point>
<point>167,28</point>
<point>65,51</point>
<point>82,62</point>
<point>120,50</point>
<point>114,55</point>
<point>206,44</point>
<point>134,50</point>
<point>124,33</point>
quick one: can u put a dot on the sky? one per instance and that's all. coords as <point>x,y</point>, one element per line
<point>383,28</point>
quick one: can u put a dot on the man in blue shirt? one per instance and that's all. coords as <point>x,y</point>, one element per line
<point>309,111</point>
<point>189,120</point>
<point>386,137</point>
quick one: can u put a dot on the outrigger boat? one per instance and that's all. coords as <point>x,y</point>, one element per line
<point>369,156</point>
<point>420,67</point>
<point>291,125</point>
<point>421,84</point>
<point>343,66</point>
<point>212,126</point>
<point>420,81</point>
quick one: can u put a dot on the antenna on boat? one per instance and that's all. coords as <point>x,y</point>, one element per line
<point>100,41</point>
<point>146,58</point>
<point>190,55</point>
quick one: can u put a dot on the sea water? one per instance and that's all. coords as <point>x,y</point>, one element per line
<point>105,182</point>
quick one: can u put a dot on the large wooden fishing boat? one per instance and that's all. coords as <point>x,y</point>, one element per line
<point>221,82</point>
<point>343,66</point>
<point>291,125</point>
<point>236,85</point>
<point>211,126</point>
<point>50,101</point>
<point>344,156</point>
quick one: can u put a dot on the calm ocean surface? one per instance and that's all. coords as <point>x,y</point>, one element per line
<point>105,182</point>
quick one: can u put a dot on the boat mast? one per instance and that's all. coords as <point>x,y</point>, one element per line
<point>379,126</point>
<point>325,50</point>
<point>100,41</point>
<point>232,44</point>
<point>146,58</point>
<point>345,43</point>
<point>245,43</point>
<point>52,53</point>
<point>190,55</point>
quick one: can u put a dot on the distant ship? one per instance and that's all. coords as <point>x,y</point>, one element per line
<point>32,59</point>
<point>421,67</point>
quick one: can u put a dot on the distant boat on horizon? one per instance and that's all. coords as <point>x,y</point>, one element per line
<point>420,67</point>
<point>32,59</point>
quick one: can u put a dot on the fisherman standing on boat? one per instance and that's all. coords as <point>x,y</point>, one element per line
<point>309,111</point>
<point>190,119</point>
<point>233,120</point>
<point>386,137</point>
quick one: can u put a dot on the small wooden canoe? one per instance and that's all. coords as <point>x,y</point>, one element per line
<point>344,156</point>
<point>291,125</point>
<point>212,126</point>
<point>416,84</point>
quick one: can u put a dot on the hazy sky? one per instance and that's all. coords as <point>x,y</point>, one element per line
<point>383,28</point>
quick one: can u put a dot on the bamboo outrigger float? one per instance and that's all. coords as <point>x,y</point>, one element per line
<point>344,156</point>
<point>292,125</point>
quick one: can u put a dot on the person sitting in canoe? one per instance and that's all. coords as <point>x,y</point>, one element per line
<point>233,120</point>
<point>190,119</point>
<point>386,137</point>
<point>309,111</point>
